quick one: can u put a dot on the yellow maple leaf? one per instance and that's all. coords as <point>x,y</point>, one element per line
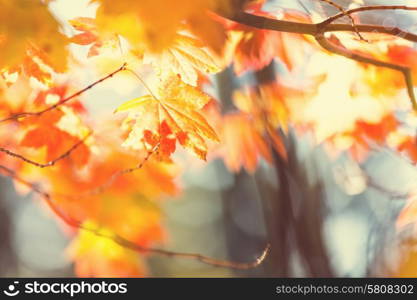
<point>26,24</point>
<point>171,117</point>
<point>185,57</point>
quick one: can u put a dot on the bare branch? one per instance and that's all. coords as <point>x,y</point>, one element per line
<point>367,8</point>
<point>346,13</point>
<point>50,163</point>
<point>131,245</point>
<point>318,30</point>
<point>101,188</point>
<point>368,60</point>
<point>393,31</point>
<point>65,100</point>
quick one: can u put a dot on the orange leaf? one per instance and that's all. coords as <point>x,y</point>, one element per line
<point>186,57</point>
<point>173,116</point>
<point>242,144</point>
<point>409,146</point>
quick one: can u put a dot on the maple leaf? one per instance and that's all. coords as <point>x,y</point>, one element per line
<point>172,116</point>
<point>57,142</point>
<point>112,159</point>
<point>89,34</point>
<point>31,67</point>
<point>365,132</point>
<point>45,133</point>
<point>185,57</point>
<point>254,49</point>
<point>88,29</point>
<point>56,94</point>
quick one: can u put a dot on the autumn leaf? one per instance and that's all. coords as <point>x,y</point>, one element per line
<point>364,134</point>
<point>254,49</point>
<point>384,81</point>
<point>376,80</point>
<point>110,186</point>
<point>57,142</point>
<point>242,145</point>
<point>89,34</point>
<point>32,68</point>
<point>186,57</point>
<point>46,134</point>
<point>252,133</point>
<point>209,30</point>
<point>138,218</point>
<point>56,94</point>
<point>409,147</point>
<point>174,115</point>
<point>137,205</point>
<point>376,132</point>
<point>268,101</point>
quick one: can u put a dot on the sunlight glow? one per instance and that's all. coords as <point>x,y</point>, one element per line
<point>334,108</point>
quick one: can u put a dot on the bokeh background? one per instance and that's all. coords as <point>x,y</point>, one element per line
<point>344,213</point>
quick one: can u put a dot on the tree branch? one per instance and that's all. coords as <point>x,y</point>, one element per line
<point>131,245</point>
<point>21,115</point>
<point>346,13</point>
<point>367,8</point>
<point>50,163</point>
<point>101,188</point>
<point>318,31</point>
<point>323,42</point>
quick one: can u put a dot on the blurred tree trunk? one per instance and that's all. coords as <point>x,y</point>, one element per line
<point>294,213</point>
<point>293,210</point>
<point>240,198</point>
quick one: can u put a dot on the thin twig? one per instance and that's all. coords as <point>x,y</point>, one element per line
<point>318,31</point>
<point>323,42</point>
<point>50,163</point>
<point>368,8</point>
<point>262,22</point>
<point>346,13</point>
<point>131,245</point>
<point>63,101</point>
<point>101,188</point>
